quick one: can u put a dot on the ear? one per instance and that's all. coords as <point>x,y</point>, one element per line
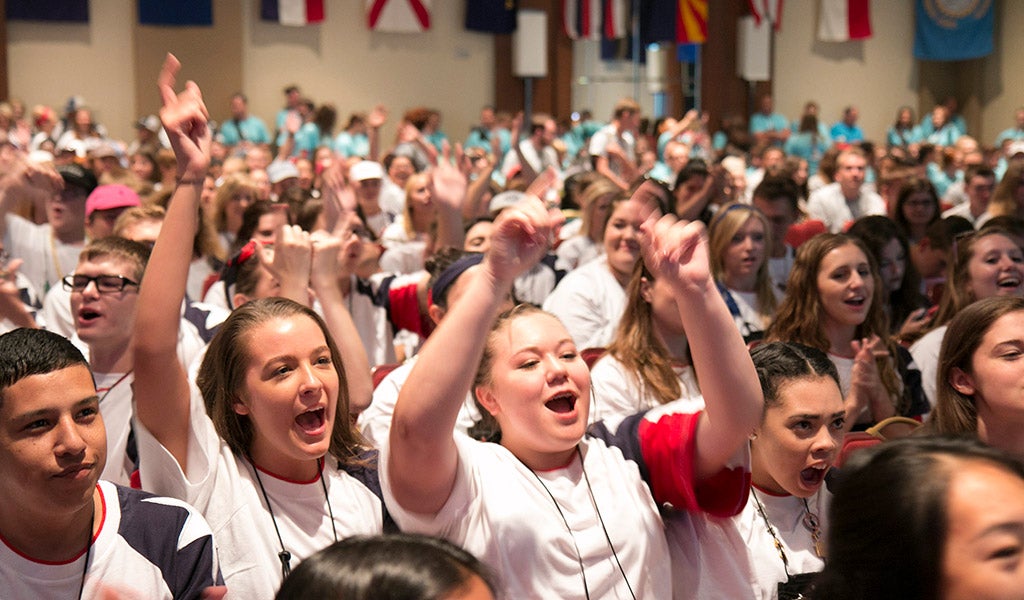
<point>239,299</point>
<point>239,407</point>
<point>486,398</point>
<point>435,313</point>
<point>962,382</point>
<point>645,290</point>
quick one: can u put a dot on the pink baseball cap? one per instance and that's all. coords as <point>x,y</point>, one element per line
<point>106,197</point>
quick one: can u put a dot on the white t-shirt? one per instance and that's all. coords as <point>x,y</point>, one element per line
<point>589,301</point>
<point>145,545</point>
<point>500,511</point>
<point>619,393</point>
<point>115,392</point>
<point>833,209</point>
<point>403,253</point>
<point>223,488</point>
<point>576,251</point>
<point>926,356</point>
<point>735,557</point>
<point>375,421</point>
<point>35,244</point>
<point>607,134</point>
<point>779,268</point>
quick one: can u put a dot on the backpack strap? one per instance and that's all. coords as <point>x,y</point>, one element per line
<point>366,473</point>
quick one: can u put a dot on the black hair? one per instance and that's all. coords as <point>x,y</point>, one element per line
<point>25,352</point>
<point>386,567</point>
<point>696,167</point>
<point>889,521</point>
<point>779,187</point>
<point>779,362</point>
<point>876,231</point>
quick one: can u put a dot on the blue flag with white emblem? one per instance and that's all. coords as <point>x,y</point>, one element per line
<point>953,29</point>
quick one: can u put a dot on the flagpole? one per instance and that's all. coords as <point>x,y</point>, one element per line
<point>636,49</point>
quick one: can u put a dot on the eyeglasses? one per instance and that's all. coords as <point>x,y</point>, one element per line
<point>105,284</point>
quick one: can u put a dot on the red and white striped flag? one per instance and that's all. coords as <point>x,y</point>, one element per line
<point>616,19</point>
<point>767,10</point>
<point>844,20</point>
<point>398,16</point>
<point>582,19</point>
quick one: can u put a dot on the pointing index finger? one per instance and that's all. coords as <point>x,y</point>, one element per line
<point>165,82</point>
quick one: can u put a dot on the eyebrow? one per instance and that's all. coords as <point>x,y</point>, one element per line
<point>40,412</point>
<point>317,350</point>
<point>1012,527</point>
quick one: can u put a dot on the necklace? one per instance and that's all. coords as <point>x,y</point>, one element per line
<point>600,519</point>
<point>810,521</point>
<point>88,549</point>
<point>114,385</point>
<point>284,556</point>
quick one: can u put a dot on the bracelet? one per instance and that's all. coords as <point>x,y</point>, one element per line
<point>193,181</point>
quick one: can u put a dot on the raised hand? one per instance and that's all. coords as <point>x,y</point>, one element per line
<point>449,185</point>
<point>676,251</point>
<point>184,117</point>
<point>522,235</point>
<point>377,117</point>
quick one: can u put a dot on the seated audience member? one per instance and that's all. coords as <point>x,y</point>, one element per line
<point>532,381</point>
<point>931,254</point>
<point>1008,198</point>
<point>846,130</point>
<point>917,207</point>
<point>985,264</point>
<point>50,250</point>
<point>847,199</point>
<point>590,299</point>
<point>263,444</point>
<point>64,533</point>
<point>922,518</point>
<point>587,245</point>
<point>905,306</point>
<point>738,237</point>
<point>772,548</point>
<point>834,303</point>
<point>406,566</point>
<point>979,183</point>
<point>777,199</point>
<point>973,396</point>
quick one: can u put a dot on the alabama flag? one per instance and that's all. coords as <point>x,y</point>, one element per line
<point>398,16</point>
<point>844,20</point>
<point>292,12</point>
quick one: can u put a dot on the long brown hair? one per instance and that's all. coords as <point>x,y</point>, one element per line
<point>955,294</point>
<point>637,346</point>
<point>1003,201</point>
<point>222,377</point>
<point>800,316</point>
<point>726,222</point>
<point>957,413</point>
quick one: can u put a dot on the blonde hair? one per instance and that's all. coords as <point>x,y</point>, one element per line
<point>725,224</point>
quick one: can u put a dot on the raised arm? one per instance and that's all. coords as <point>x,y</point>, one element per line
<point>323,279</point>
<point>161,385</point>
<point>422,459</point>
<point>677,252</point>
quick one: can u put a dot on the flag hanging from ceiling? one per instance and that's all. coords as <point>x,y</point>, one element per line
<point>179,13</point>
<point>766,10</point>
<point>581,19</point>
<point>948,31</point>
<point>292,12</point>
<point>491,16</point>
<point>398,16</point>
<point>692,22</point>
<point>616,19</point>
<point>66,11</point>
<point>658,21</point>
<point>844,20</point>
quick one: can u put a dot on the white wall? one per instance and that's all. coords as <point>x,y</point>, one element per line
<point>48,63</point>
<point>877,75</point>
<point>343,62</point>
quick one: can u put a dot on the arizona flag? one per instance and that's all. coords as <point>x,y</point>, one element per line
<point>844,20</point>
<point>398,16</point>
<point>292,12</point>
<point>692,22</point>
